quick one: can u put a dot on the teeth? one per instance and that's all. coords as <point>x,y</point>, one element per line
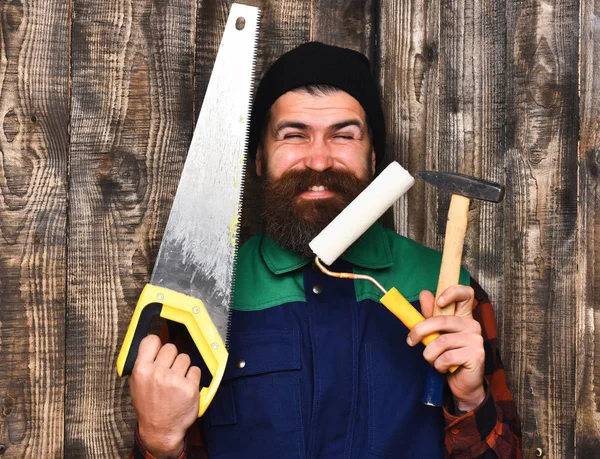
<point>317,188</point>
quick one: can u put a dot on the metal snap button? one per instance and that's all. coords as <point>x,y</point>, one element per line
<point>240,363</point>
<point>317,289</point>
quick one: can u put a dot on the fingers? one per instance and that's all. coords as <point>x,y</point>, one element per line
<point>462,358</point>
<point>462,295</point>
<point>455,349</point>
<point>153,353</point>
<point>460,343</point>
<point>166,356</point>
<point>165,393</point>
<point>193,375</point>
<point>181,364</point>
<point>426,299</point>
<point>148,350</point>
<point>443,324</point>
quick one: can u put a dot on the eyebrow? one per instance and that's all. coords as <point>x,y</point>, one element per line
<point>346,123</point>
<point>289,124</point>
<point>303,126</point>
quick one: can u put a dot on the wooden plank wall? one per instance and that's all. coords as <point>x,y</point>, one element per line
<point>131,123</point>
<point>34,158</point>
<point>541,245</point>
<point>587,393</point>
<point>97,106</point>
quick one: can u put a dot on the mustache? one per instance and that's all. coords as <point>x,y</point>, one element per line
<point>292,222</point>
<point>294,182</point>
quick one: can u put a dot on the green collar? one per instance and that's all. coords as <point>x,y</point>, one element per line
<point>372,250</point>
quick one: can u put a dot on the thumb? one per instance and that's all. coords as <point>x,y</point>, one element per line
<point>427,300</point>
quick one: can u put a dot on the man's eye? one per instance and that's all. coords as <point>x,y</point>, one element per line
<point>344,136</point>
<point>292,136</point>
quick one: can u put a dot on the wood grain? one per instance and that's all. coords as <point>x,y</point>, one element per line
<point>541,215</point>
<point>587,395</point>
<point>484,88</point>
<point>409,81</point>
<point>131,127</point>
<point>346,23</point>
<point>34,109</point>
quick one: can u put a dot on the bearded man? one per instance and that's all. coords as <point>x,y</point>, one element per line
<point>318,368</point>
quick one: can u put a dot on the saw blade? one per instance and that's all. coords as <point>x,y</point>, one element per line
<point>198,250</point>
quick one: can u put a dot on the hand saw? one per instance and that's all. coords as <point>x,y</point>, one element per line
<point>193,277</point>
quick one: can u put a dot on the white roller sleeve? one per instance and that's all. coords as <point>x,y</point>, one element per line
<point>361,213</point>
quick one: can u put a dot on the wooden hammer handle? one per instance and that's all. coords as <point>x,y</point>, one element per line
<point>456,227</point>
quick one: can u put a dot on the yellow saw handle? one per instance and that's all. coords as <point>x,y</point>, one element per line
<point>158,301</point>
<point>408,315</point>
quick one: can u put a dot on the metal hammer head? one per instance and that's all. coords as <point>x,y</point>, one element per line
<point>464,185</point>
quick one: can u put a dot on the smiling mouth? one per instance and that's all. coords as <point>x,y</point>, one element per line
<point>316,192</point>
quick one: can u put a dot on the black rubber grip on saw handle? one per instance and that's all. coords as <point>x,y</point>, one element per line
<point>142,328</point>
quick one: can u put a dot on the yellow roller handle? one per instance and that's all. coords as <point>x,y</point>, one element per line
<point>408,315</point>
<point>158,301</point>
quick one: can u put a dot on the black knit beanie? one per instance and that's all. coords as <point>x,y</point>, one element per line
<point>317,63</point>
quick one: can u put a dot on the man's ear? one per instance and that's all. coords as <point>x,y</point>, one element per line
<point>258,162</point>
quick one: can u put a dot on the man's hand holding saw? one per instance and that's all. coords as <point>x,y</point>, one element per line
<point>164,394</point>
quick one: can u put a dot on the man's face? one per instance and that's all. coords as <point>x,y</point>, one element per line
<point>316,157</point>
<point>316,132</point>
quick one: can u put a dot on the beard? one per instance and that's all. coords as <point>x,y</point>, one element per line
<point>293,222</point>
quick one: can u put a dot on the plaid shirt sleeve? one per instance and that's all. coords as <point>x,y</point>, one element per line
<point>195,447</point>
<point>493,429</point>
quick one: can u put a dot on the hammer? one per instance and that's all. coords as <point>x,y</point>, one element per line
<point>463,189</point>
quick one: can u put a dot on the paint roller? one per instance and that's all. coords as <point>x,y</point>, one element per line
<point>353,221</point>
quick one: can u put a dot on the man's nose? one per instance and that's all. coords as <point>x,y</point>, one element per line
<point>319,157</point>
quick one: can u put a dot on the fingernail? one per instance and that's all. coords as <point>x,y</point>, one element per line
<point>409,341</point>
<point>440,301</point>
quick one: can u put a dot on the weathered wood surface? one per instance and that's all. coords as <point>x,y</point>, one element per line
<point>34,114</point>
<point>587,395</point>
<point>483,88</point>
<point>541,216</point>
<point>131,124</point>
<point>409,85</point>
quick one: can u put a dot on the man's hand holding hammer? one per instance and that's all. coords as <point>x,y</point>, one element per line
<point>460,344</point>
<point>459,351</point>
